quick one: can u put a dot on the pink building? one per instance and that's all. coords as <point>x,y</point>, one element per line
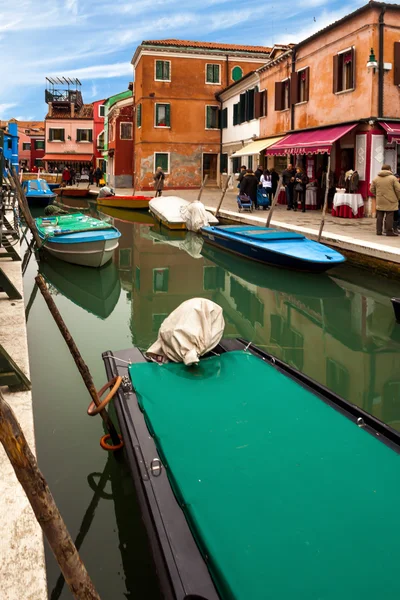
<point>98,132</point>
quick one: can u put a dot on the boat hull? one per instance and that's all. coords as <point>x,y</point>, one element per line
<point>268,255</point>
<point>168,224</point>
<point>87,254</point>
<point>40,199</point>
<point>124,202</point>
<point>73,192</point>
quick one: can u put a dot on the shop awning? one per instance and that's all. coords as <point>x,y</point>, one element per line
<point>69,157</point>
<point>317,141</point>
<point>392,129</point>
<point>256,147</point>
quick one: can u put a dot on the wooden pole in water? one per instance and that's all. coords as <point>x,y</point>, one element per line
<point>223,194</point>
<point>23,204</point>
<point>325,200</point>
<point>47,514</point>
<point>76,355</point>
<point>203,185</point>
<point>274,200</point>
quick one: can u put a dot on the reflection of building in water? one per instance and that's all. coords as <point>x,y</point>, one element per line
<point>123,256</point>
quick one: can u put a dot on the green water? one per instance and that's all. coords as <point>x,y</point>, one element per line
<point>338,329</point>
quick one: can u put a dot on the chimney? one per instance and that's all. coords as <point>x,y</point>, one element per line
<point>72,110</point>
<point>50,109</point>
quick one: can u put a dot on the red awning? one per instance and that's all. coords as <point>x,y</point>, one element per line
<point>69,157</point>
<point>317,141</point>
<point>392,129</point>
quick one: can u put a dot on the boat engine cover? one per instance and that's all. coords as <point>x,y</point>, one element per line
<point>190,331</point>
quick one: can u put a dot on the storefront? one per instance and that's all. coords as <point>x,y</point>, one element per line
<point>77,161</point>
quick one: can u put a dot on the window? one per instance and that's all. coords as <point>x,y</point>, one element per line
<point>282,94</point>
<point>299,86</point>
<point>125,257</point>
<point>213,74</point>
<point>160,279</point>
<point>224,118</point>
<point>223,163</point>
<point>102,110</point>
<point>250,162</point>
<point>125,131</point>
<point>137,279</point>
<point>26,146</point>
<point>236,119</point>
<point>344,71</point>
<point>236,164</point>
<point>163,70</point>
<point>249,106</point>
<point>161,159</point>
<point>247,302</point>
<point>213,278</point>
<point>212,113</point>
<point>56,135</point>
<point>100,141</point>
<point>39,144</point>
<point>84,135</point>
<point>139,116</point>
<point>337,378</point>
<point>237,73</point>
<point>163,115</point>
<point>396,64</point>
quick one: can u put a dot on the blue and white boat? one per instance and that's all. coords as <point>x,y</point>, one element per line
<point>78,239</point>
<point>270,246</point>
<point>38,191</point>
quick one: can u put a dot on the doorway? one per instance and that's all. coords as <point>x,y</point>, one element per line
<point>210,164</point>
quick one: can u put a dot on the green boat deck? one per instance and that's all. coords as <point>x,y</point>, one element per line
<point>286,497</point>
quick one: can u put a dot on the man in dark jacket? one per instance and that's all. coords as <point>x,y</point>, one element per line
<point>259,172</point>
<point>288,181</point>
<point>249,186</point>
<point>242,173</point>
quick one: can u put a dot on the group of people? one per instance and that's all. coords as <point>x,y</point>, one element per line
<point>70,176</point>
<point>295,181</point>
<point>250,182</point>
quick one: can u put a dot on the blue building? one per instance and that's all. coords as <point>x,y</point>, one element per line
<point>9,145</point>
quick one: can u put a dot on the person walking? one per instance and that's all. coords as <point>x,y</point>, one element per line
<point>242,173</point>
<point>259,171</point>
<point>288,181</point>
<point>249,186</point>
<point>386,188</point>
<point>266,183</point>
<point>73,174</point>
<point>300,182</point>
<point>98,174</point>
<point>159,181</point>
<point>66,176</point>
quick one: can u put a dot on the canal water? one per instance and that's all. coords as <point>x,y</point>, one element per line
<point>338,329</point>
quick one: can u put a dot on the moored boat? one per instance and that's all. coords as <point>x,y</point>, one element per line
<point>278,248</point>
<point>73,192</point>
<point>78,239</point>
<point>168,211</point>
<point>129,216</point>
<point>271,460</point>
<point>124,202</point>
<point>37,191</point>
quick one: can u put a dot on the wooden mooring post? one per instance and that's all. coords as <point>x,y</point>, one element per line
<point>274,201</point>
<point>203,185</point>
<point>42,502</point>
<point>76,355</point>
<point>223,194</point>
<point>325,199</point>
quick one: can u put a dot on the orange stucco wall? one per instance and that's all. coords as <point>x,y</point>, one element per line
<point>391,94</point>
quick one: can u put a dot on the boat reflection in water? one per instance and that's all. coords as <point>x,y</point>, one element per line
<point>95,290</point>
<point>337,328</point>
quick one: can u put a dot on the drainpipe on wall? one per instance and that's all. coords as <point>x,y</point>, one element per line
<point>292,105</point>
<point>381,61</point>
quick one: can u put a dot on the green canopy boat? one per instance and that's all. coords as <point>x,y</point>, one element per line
<point>258,483</point>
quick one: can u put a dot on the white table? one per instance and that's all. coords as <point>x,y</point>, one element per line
<point>311,198</point>
<point>348,205</point>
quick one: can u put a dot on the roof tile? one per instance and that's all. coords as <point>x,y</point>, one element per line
<point>207,45</point>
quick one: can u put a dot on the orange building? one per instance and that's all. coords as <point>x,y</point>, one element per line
<point>177,117</point>
<point>331,96</point>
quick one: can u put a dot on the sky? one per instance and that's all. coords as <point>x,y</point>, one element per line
<point>95,40</point>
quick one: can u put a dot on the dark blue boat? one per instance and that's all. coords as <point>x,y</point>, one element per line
<point>279,248</point>
<point>37,191</point>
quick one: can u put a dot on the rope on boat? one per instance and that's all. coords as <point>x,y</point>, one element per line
<point>94,410</point>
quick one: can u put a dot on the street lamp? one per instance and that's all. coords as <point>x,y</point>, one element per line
<point>372,62</point>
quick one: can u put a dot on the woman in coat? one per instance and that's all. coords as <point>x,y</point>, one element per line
<point>249,186</point>
<point>300,182</point>
<point>159,181</point>
<point>386,188</point>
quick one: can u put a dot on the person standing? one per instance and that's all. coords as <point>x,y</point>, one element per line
<point>98,174</point>
<point>72,173</point>
<point>300,182</point>
<point>66,176</point>
<point>288,181</point>
<point>249,186</point>
<point>386,189</point>
<point>259,171</point>
<point>275,181</point>
<point>242,173</point>
<point>91,176</point>
<point>266,182</point>
<point>159,181</point>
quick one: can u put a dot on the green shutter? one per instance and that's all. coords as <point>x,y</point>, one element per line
<point>161,160</point>
<point>216,73</point>
<point>168,115</point>
<point>50,135</point>
<point>236,113</point>
<point>78,135</point>
<point>208,117</point>
<point>90,135</point>
<point>139,115</point>
<point>210,73</point>
<point>166,69</point>
<point>159,69</point>
<point>63,135</point>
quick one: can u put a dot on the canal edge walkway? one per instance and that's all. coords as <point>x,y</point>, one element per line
<point>22,559</point>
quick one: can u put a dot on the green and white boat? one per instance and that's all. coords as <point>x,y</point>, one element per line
<point>256,482</point>
<point>78,239</point>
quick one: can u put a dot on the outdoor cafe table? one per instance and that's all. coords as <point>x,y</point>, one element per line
<point>348,206</point>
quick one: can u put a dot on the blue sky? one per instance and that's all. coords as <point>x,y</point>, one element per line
<point>94,40</point>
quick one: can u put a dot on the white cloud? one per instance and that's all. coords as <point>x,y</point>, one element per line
<point>94,90</point>
<point>99,71</point>
<point>5,108</point>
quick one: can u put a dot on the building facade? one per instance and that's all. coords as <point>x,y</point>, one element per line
<point>177,114</point>
<point>120,143</point>
<point>108,106</point>
<point>98,132</point>
<point>9,145</point>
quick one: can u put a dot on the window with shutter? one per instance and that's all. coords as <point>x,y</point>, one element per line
<point>139,116</point>
<point>56,135</point>
<point>39,144</point>
<point>278,95</point>
<point>250,104</point>
<point>84,135</point>
<point>396,62</point>
<point>301,82</point>
<point>125,131</point>
<point>242,108</point>
<point>161,159</point>
<point>264,103</point>
<point>163,115</point>
<point>213,73</point>
<point>236,113</point>
<point>163,70</point>
<point>212,117</point>
<point>102,110</point>
<point>237,73</point>
<point>223,163</point>
<point>344,71</point>
<point>257,104</point>
<point>294,88</point>
<point>224,118</point>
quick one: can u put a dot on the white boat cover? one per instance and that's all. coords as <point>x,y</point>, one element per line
<point>191,330</point>
<point>169,209</point>
<point>106,191</point>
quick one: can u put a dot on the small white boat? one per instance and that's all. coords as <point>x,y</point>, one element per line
<point>78,239</point>
<point>168,210</point>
